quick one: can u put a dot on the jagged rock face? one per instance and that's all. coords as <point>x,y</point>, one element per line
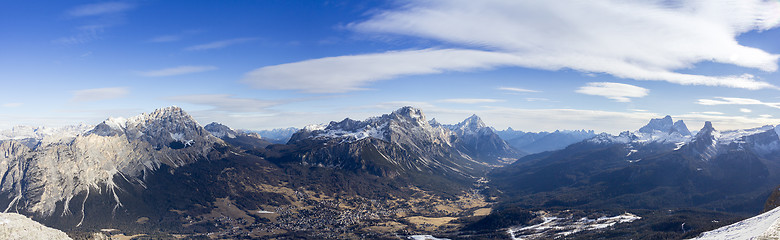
<point>17,226</point>
<point>680,127</point>
<point>665,125</point>
<point>57,172</point>
<point>390,145</point>
<point>479,141</point>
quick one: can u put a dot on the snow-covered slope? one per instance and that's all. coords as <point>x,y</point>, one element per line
<point>762,227</point>
<point>18,227</point>
<point>37,180</point>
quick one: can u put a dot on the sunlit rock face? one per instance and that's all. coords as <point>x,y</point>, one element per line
<point>37,180</point>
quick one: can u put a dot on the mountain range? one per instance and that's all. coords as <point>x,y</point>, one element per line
<point>398,174</point>
<point>536,142</point>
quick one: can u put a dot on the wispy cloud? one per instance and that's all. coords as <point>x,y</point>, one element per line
<point>227,103</point>
<point>99,9</point>
<point>99,17</point>
<point>470,100</point>
<point>737,101</point>
<point>165,38</point>
<point>745,110</point>
<point>615,91</point>
<point>83,35</point>
<point>349,73</point>
<point>12,105</point>
<point>219,44</point>
<point>180,70</point>
<point>98,94</point>
<point>549,35</point>
<point>174,37</point>
<point>519,90</point>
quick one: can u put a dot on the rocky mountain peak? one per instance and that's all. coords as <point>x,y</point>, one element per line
<point>680,127</point>
<point>409,113</point>
<point>473,122</point>
<point>469,126</point>
<point>118,146</point>
<point>219,130</point>
<point>658,124</point>
<point>707,129</point>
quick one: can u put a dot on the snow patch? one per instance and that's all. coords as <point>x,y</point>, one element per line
<point>763,226</point>
<point>553,227</point>
<point>425,237</point>
<point>314,127</point>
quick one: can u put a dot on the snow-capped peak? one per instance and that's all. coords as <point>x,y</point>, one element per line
<point>410,112</point>
<point>660,130</point>
<point>473,122</point>
<point>665,125</point>
<point>658,124</point>
<point>405,119</point>
<point>469,126</point>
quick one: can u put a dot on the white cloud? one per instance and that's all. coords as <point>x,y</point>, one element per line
<point>642,40</point>
<point>745,110</point>
<point>470,100</point>
<point>12,105</point>
<point>615,91</point>
<point>736,101</point>
<point>227,103</point>
<point>99,9</point>
<point>98,94</point>
<point>349,73</point>
<point>219,44</point>
<point>514,89</point>
<point>180,70</point>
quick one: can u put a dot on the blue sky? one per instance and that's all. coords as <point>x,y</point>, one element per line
<point>532,65</point>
